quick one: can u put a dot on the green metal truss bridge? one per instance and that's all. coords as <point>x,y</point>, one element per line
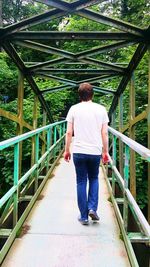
<point>47,142</point>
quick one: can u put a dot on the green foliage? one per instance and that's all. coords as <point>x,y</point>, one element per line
<point>8,77</point>
<point>16,10</point>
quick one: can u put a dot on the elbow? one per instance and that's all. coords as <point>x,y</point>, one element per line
<point>69,133</point>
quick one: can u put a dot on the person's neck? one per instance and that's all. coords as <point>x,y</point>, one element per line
<point>88,101</point>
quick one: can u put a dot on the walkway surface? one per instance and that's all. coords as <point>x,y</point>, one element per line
<point>56,239</point>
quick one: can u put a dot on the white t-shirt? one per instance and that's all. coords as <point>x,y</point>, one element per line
<point>87,118</point>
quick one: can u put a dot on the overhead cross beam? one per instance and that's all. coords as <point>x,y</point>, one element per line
<point>74,83</point>
<point>76,71</point>
<point>46,16</point>
<point>80,4</point>
<point>56,51</point>
<point>53,35</point>
<point>76,7</point>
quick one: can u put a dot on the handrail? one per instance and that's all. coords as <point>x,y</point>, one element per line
<point>19,138</point>
<point>121,180</point>
<point>140,217</point>
<point>15,141</point>
<point>21,187</point>
<point>140,149</point>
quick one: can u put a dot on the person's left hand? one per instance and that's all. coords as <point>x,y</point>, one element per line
<point>105,158</point>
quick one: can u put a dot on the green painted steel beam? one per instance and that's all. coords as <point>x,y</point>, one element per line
<point>45,48</point>
<point>53,14</point>
<point>74,83</point>
<point>63,80</point>
<point>98,17</point>
<point>47,63</point>
<point>121,25</point>
<point>105,48</point>
<point>100,78</point>
<point>42,18</point>
<point>53,35</point>
<point>139,53</point>
<point>98,89</point>
<point>4,233</point>
<point>56,88</point>
<point>66,6</point>
<point>104,64</point>
<point>17,60</point>
<point>76,71</point>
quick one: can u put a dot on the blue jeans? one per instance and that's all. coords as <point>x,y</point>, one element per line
<point>87,169</point>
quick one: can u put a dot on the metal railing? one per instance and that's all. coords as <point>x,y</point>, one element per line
<point>33,178</point>
<point>126,203</point>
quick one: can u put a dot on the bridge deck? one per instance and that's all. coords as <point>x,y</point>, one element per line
<point>55,238</point>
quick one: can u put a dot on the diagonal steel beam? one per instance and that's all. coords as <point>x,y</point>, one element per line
<point>96,16</point>
<point>121,25</point>
<point>44,48</point>
<point>56,88</point>
<point>46,16</point>
<point>19,63</point>
<point>47,63</point>
<point>77,5</point>
<point>139,53</point>
<point>56,51</point>
<point>105,48</point>
<point>111,66</point>
<point>74,83</point>
<point>99,78</point>
<point>103,90</point>
<point>53,14</point>
<point>56,78</point>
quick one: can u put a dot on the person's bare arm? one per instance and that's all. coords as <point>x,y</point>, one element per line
<point>69,132</point>
<point>104,132</point>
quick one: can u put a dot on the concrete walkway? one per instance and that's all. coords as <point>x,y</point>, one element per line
<point>56,239</point>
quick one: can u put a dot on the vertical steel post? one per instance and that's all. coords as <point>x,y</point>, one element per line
<point>20,115</point>
<point>35,108</point>
<point>48,146</point>
<point>36,160</point>
<point>16,177</point>
<point>43,134</point>
<point>126,182</point>
<point>120,129</point>
<point>132,136</point>
<point>114,151</point>
<point>55,139</point>
<point>148,120</point>
<point>114,163</point>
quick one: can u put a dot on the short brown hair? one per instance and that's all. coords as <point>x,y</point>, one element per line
<point>85,91</point>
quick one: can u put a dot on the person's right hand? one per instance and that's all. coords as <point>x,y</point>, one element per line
<point>67,156</point>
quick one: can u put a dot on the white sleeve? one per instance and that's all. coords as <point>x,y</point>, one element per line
<point>70,117</point>
<point>105,117</point>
